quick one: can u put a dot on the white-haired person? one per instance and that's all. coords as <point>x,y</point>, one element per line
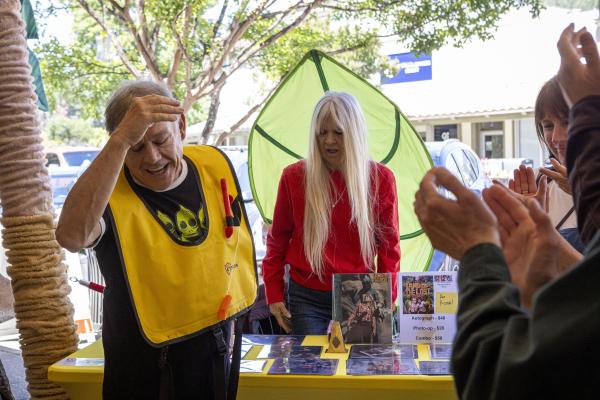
<point>336,212</point>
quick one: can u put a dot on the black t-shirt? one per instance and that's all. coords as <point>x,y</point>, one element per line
<point>180,210</point>
<point>131,365</point>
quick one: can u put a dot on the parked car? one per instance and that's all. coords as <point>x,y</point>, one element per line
<point>68,156</point>
<point>501,169</point>
<point>62,179</point>
<point>464,163</point>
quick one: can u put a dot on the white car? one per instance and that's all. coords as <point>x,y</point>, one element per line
<point>464,163</point>
<point>69,156</point>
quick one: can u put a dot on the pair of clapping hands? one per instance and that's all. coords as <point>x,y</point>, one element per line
<point>534,251</point>
<point>524,181</point>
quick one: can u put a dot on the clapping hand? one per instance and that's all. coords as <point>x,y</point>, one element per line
<point>534,251</point>
<point>453,226</point>
<point>524,185</point>
<point>578,80</point>
<point>559,175</point>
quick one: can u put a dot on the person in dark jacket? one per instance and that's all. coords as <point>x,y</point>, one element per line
<point>502,351</point>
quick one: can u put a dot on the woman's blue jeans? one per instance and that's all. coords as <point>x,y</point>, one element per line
<point>310,309</point>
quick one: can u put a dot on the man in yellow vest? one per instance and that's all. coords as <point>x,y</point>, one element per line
<point>173,243</point>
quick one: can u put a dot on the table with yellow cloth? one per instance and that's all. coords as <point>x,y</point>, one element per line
<point>85,382</point>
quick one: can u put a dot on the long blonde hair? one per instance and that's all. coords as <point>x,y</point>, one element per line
<point>346,113</point>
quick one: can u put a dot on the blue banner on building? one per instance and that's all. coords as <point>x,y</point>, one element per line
<point>412,68</point>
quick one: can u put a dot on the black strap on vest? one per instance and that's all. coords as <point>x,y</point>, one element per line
<point>166,376</point>
<point>226,372</point>
<point>234,373</point>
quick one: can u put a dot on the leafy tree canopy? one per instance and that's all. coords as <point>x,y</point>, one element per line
<point>194,46</point>
<point>75,132</point>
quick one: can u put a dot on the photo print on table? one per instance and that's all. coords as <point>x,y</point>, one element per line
<point>381,350</point>
<point>435,367</point>
<point>296,340</point>
<point>381,366</point>
<point>309,365</point>
<point>362,303</point>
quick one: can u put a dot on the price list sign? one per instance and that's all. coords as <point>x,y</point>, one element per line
<point>427,309</point>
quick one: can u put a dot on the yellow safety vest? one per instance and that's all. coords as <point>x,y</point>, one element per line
<point>177,289</point>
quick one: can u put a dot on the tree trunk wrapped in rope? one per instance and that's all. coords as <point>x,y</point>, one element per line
<point>39,281</point>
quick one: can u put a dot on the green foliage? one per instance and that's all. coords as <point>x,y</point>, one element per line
<point>74,132</point>
<point>195,45</point>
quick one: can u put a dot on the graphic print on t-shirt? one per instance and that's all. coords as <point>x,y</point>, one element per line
<point>181,210</point>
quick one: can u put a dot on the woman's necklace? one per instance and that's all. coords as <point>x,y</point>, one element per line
<point>338,197</point>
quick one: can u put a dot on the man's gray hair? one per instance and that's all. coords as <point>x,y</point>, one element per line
<point>122,97</point>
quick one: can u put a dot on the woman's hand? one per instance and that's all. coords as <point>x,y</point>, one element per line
<point>559,175</point>
<point>282,315</point>
<point>523,182</point>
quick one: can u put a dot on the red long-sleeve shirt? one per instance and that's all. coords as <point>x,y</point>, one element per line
<point>342,250</point>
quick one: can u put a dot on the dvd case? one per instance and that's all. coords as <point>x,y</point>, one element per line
<point>362,303</point>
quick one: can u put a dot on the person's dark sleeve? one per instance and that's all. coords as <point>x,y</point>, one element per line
<point>502,352</point>
<point>583,164</point>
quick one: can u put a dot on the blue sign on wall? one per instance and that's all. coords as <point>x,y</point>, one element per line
<point>412,68</point>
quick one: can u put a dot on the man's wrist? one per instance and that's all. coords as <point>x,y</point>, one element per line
<point>482,239</point>
<point>118,141</point>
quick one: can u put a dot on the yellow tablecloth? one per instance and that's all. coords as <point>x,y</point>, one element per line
<point>85,382</point>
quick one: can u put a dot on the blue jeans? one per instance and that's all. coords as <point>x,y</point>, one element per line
<point>310,309</point>
<point>572,236</point>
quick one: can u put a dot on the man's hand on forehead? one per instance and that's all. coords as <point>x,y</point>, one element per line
<point>144,112</point>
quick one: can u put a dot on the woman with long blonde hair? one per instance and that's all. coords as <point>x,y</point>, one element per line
<point>336,212</point>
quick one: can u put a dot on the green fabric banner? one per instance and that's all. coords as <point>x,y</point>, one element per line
<point>32,33</point>
<point>29,18</point>
<point>279,137</point>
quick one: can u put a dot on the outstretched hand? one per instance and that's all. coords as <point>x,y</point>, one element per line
<point>453,226</point>
<point>525,186</point>
<point>578,80</point>
<point>282,315</point>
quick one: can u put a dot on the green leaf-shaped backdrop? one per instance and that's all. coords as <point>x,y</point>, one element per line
<point>279,137</point>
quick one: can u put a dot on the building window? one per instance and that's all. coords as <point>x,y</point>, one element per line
<point>445,132</point>
<point>491,139</point>
<point>529,145</point>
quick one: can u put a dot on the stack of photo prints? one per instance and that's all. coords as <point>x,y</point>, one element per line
<point>381,359</point>
<point>362,304</point>
<point>290,357</point>
<point>440,360</point>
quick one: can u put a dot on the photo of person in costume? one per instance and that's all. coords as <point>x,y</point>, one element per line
<point>152,213</point>
<point>362,303</point>
<point>336,212</point>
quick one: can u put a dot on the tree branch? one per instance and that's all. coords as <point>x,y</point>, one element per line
<point>142,22</point>
<point>240,122</point>
<point>271,39</point>
<point>120,49</point>
<point>148,56</point>
<point>181,49</point>
<point>237,31</point>
<point>211,118</point>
